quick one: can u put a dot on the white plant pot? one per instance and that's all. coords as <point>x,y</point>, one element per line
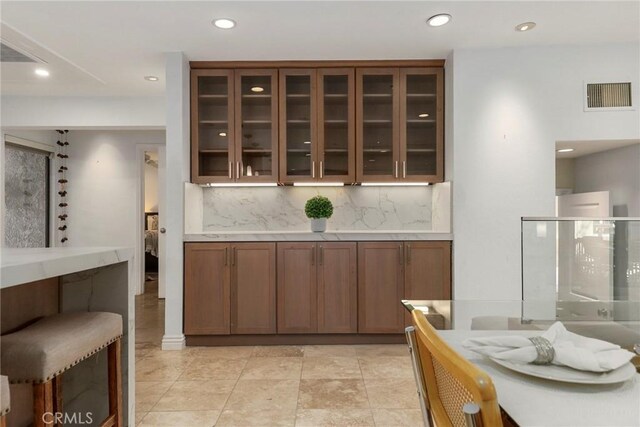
<point>318,225</point>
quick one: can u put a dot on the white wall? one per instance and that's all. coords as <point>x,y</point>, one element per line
<point>150,188</point>
<point>102,190</point>
<point>51,112</point>
<point>509,107</point>
<point>565,173</point>
<point>616,171</point>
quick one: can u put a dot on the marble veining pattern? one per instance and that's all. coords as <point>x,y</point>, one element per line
<point>304,236</point>
<point>282,208</point>
<point>23,265</point>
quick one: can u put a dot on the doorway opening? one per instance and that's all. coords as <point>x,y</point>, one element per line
<point>151,222</point>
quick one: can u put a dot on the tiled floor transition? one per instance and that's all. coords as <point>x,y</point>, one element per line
<point>345,385</point>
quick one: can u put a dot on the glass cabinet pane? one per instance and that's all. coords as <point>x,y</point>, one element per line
<point>377,124</point>
<point>213,125</point>
<point>256,131</point>
<point>421,136</point>
<point>298,125</point>
<point>335,127</point>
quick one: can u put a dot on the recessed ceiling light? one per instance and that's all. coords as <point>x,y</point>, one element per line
<point>439,20</point>
<point>42,72</point>
<point>224,23</point>
<point>307,142</point>
<point>525,26</point>
<point>222,134</point>
<point>565,150</point>
<point>151,78</point>
<point>257,89</point>
<point>423,115</point>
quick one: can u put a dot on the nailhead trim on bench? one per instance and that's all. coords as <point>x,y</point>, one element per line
<point>49,378</point>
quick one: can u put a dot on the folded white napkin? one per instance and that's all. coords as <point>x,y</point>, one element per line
<point>575,351</point>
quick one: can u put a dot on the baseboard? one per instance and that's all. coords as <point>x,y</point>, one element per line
<point>294,339</point>
<point>173,342</point>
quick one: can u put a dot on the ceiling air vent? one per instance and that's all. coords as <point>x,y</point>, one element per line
<point>10,54</point>
<point>608,96</point>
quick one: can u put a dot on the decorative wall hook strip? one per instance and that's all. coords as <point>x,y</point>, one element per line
<point>62,181</point>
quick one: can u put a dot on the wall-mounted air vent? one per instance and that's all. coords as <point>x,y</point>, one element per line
<point>608,96</point>
<point>11,54</point>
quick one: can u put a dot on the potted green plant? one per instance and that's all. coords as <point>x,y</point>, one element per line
<point>318,209</point>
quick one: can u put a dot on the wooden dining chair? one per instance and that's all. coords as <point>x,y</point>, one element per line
<point>453,391</point>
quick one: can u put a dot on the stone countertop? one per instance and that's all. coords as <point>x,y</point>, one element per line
<point>297,236</point>
<point>24,265</point>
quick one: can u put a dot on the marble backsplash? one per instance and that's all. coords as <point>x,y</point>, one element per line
<point>282,208</point>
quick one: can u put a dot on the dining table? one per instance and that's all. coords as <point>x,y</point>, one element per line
<point>533,401</point>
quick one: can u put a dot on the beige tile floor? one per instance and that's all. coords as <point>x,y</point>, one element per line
<point>343,385</point>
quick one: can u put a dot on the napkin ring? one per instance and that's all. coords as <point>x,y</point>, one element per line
<point>544,349</point>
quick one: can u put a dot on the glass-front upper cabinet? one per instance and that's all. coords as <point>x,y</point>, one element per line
<point>336,125</point>
<point>211,126</point>
<point>256,126</point>
<point>421,124</point>
<point>377,114</point>
<point>298,137</point>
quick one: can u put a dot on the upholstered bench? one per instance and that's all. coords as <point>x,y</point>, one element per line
<point>5,400</point>
<point>42,352</point>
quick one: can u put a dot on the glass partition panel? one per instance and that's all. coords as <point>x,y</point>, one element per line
<point>585,265</point>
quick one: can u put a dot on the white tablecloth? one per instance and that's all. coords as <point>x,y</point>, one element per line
<point>536,402</point>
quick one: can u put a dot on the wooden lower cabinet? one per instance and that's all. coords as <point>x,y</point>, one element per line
<point>207,286</point>
<point>380,287</point>
<point>317,288</point>
<point>337,288</point>
<point>427,273</point>
<point>253,288</point>
<point>297,288</point>
<point>310,288</point>
<point>229,288</point>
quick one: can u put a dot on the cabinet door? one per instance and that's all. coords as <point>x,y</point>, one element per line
<point>336,125</point>
<point>206,289</point>
<point>297,288</point>
<point>256,117</point>
<point>212,130</point>
<point>422,124</point>
<point>377,131</point>
<point>427,271</point>
<point>337,288</point>
<point>380,287</point>
<point>298,122</point>
<point>253,288</point>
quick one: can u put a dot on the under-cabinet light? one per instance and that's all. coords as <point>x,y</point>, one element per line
<point>241,184</point>
<point>395,184</point>
<point>318,184</point>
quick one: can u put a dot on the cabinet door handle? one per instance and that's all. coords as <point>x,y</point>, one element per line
<point>404,168</point>
<point>321,255</point>
<point>313,169</point>
<point>237,170</point>
<point>233,256</point>
<point>226,256</point>
<point>313,255</point>
<point>408,253</point>
<point>321,169</point>
<point>230,170</point>
<point>400,254</point>
<point>395,174</point>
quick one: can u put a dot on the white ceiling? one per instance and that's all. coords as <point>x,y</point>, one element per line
<point>582,148</point>
<point>105,48</point>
